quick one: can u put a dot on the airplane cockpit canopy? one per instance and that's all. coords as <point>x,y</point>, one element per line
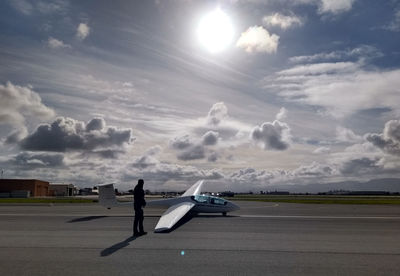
<point>209,199</point>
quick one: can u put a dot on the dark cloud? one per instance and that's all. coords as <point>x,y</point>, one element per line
<point>96,124</point>
<point>69,134</point>
<point>389,140</point>
<point>192,153</point>
<point>210,138</point>
<point>213,157</point>
<point>360,166</point>
<point>275,135</point>
<point>148,159</point>
<point>181,142</point>
<point>27,160</point>
<point>108,153</point>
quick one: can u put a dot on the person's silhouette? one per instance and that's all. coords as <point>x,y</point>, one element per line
<point>138,203</point>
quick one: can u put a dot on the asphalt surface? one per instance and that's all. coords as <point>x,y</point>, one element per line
<point>260,239</point>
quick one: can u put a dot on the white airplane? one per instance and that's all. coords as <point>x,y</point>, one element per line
<point>191,200</point>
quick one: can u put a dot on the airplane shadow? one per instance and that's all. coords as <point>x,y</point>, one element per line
<point>115,247</point>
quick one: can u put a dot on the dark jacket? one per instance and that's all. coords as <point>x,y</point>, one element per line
<point>138,199</point>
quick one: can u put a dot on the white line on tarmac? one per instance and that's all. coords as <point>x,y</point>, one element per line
<point>318,217</point>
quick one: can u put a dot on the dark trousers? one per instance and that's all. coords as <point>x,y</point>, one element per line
<point>138,220</point>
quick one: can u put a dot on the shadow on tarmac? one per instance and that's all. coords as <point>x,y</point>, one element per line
<point>114,248</point>
<point>86,219</point>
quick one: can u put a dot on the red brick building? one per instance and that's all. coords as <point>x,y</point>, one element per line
<point>36,187</point>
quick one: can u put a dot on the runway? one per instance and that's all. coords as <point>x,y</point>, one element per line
<point>260,239</point>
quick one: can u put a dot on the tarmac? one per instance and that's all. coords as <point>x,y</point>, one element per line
<point>259,239</point>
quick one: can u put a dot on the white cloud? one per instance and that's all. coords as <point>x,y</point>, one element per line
<point>82,31</point>
<point>29,7</point>
<point>341,88</point>
<point>217,113</point>
<point>275,135</point>
<point>283,21</point>
<point>322,150</point>
<point>258,39</point>
<point>389,140</point>
<point>19,102</point>
<point>347,135</point>
<point>363,52</point>
<point>335,6</point>
<point>56,44</point>
<point>282,115</point>
<point>394,25</point>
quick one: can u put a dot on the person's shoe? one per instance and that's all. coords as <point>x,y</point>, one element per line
<point>136,234</point>
<point>142,233</point>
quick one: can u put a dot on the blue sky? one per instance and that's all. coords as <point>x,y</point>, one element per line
<point>306,92</point>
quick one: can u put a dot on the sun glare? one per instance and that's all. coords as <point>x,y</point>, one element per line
<point>215,31</point>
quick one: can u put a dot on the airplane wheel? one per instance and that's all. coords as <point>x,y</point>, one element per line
<point>224,214</point>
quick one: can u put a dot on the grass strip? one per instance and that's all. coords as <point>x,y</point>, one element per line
<point>368,200</point>
<point>47,200</point>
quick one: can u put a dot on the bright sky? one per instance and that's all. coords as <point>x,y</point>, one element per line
<point>248,95</point>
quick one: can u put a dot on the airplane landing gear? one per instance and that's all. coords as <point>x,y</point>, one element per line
<point>224,214</point>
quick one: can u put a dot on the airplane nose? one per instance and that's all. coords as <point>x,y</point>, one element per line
<point>234,207</point>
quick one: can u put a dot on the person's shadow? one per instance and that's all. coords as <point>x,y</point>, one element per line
<point>115,247</point>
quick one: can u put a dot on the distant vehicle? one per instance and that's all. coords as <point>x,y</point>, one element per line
<point>191,200</point>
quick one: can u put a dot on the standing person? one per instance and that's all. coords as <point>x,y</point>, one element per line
<point>138,203</point>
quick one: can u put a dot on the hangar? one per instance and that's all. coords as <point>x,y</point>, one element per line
<point>34,186</point>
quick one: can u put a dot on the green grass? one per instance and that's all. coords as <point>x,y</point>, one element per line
<point>47,200</point>
<point>315,199</point>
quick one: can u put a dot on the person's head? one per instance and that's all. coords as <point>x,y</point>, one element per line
<point>140,183</point>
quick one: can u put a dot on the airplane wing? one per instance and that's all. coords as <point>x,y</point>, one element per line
<point>173,215</point>
<point>195,189</point>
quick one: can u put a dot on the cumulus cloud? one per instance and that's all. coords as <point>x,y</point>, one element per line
<point>148,159</point>
<point>148,166</point>
<point>347,135</point>
<point>282,21</point>
<point>335,6</point>
<point>275,135</point>
<point>82,31</point>
<point>56,43</point>
<point>18,103</point>
<point>258,39</point>
<point>389,140</point>
<point>69,134</point>
<point>217,113</point>
<point>210,138</point>
<point>181,142</point>
<point>282,115</point>
<point>192,153</point>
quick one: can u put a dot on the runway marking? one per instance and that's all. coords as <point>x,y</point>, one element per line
<point>317,217</point>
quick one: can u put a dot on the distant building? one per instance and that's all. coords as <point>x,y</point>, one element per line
<point>56,189</point>
<point>35,187</point>
<point>278,193</point>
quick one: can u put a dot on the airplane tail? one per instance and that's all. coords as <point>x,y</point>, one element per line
<point>107,196</point>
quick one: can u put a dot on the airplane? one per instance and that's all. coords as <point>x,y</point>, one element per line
<point>191,200</point>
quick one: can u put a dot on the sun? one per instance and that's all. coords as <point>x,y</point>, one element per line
<point>215,31</point>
